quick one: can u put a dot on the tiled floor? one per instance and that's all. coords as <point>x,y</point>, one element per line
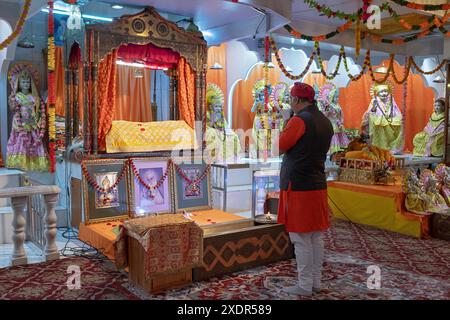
<point>34,253</point>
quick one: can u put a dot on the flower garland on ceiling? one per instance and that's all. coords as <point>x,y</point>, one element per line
<point>338,64</point>
<point>322,37</point>
<point>283,68</point>
<point>330,13</point>
<point>362,15</point>
<point>423,7</point>
<point>366,65</point>
<point>51,88</point>
<point>19,26</point>
<point>363,69</point>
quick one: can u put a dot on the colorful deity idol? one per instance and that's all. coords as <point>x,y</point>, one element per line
<point>415,200</point>
<point>328,98</point>
<point>25,149</point>
<point>264,126</point>
<point>382,122</point>
<point>442,173</point>
<point>430,142</point>
<point>222,144</point>
<point>430,183</point>
<point>280,101</point>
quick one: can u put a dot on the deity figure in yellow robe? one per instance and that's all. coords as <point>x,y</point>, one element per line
<point>430,183</point>
<point>430,142</point>
<point>442,173</point>
<point>382,122</point>
<point>416,199</point>
<point>222,143</point>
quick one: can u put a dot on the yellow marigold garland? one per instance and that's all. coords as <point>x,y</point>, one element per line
<point>19,26</point>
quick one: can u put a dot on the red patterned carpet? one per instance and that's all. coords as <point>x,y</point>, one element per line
<point>410,269</point>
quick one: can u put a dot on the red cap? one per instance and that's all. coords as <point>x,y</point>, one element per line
<point>303,90</point>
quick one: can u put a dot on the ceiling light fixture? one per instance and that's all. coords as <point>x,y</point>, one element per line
<point>439,79</point>
<point>382,70</point>
<point>86,16</point>
<point>117,6</point>
<point>216,66</point>
<point>140,65</point>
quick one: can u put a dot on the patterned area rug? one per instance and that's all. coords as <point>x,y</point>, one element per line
<point>48,281</point>
<point>410,269</point>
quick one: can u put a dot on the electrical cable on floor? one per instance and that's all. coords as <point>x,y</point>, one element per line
<point>373,237</point>
<point>86,250</point>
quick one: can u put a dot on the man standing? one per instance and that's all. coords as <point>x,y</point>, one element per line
<point>303,207</point>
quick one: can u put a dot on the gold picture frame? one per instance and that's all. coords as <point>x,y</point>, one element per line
<point>138,195</point>
<point>200,201</point>
<point>113,205</point>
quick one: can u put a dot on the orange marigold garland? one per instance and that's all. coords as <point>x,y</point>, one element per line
<point>51,88</point>
<point>19,26</point>
<point>283,68</point>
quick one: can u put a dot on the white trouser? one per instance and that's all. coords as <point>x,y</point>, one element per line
<point>309,256</point>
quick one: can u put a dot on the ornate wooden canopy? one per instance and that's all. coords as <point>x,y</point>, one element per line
<point>146,27</point>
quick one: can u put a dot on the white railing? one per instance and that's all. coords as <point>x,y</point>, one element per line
<point>19,200</point>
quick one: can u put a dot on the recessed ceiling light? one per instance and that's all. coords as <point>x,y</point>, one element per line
<point>116,6</point>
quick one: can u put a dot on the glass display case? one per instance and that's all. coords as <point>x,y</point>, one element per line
<point>263,182</point>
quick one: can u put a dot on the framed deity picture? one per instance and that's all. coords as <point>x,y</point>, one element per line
<point>151,186</point>
<point>192,186</point>
<point>105,190</point>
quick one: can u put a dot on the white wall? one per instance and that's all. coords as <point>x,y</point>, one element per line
<point>5,30</point>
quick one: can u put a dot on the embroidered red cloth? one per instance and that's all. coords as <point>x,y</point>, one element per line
<point>171,242</point>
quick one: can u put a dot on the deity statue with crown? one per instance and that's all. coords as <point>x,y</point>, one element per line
<point>430,141</point>
<point>328,103</point>
<point>221,143</point>
<point>280,102</point>
<point>431,186</point>
<point>25,149</point>
<point>383,120</point>
<point>265,127</point>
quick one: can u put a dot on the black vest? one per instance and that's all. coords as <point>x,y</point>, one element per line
<point>304,164</point>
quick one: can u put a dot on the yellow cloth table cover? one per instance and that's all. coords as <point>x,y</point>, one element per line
<point>375,205</point>
<point>127,136</point>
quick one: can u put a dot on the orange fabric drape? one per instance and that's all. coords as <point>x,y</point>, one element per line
<point>133,95</point>
<point>355,100</point>
<point>243,99</point>
<point>60,86</point>
<point>218,77</point>
<point>106,96</point>
<point>186,92</point>
<point>60,106</point>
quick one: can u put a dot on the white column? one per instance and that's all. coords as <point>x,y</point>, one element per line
<point>19,255</point>
<point>50,250</point>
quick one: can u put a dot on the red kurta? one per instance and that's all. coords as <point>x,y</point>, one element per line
<point>301,211</point>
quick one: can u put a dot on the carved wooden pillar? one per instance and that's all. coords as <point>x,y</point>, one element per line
<point>198,95</point>
<point>68,108</point>
<point>86,118</point>
<point>176,108</point>
<point>76,121</point>
<point>50,250</point>
<point>94,109</point>
<point>171,97</point>
<point>19,255</point>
